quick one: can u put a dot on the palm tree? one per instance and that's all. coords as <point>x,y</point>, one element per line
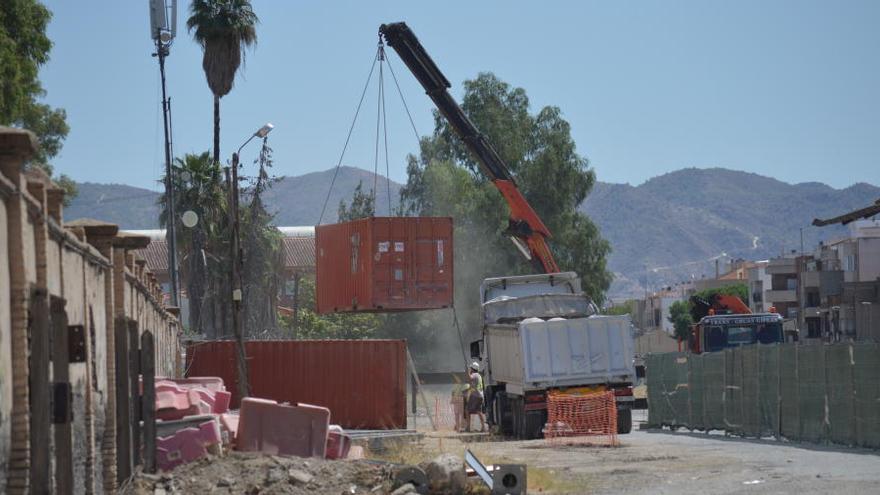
<point>224,29</point>
<point>198,186</point>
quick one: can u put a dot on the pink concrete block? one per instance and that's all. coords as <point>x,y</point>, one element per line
<point>338,443</point>
<point>173,402</point>
<point>229,424</point>
<point>186,445</point>
<point>222,399</point>
<point>210,382</point>
<point>266,426</point>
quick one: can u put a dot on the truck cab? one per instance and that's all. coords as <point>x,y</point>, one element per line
<point>718,332</point>
<point>541,335</point>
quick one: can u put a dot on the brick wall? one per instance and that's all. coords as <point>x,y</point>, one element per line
<point>88,270</point>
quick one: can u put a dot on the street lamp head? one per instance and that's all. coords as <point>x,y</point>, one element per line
<point>265,130</point>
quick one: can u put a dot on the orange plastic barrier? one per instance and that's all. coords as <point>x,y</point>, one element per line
<point>581,419</point>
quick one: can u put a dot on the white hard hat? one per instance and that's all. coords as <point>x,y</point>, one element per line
<point>475,365</point>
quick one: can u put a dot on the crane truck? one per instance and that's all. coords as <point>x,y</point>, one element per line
<point>726,321</point>
<point>540,333</point>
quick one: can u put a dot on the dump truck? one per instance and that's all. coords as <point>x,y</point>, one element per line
<point>542,335</point>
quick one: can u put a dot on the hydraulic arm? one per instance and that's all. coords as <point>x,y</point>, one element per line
<point>525,227</point>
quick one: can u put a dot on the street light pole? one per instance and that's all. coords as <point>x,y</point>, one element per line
<point>236,259</point>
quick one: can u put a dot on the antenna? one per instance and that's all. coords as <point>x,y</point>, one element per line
<point>163,20</point>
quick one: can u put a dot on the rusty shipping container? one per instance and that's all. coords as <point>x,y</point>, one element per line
<point>362,382</point>
<point>384,264</point>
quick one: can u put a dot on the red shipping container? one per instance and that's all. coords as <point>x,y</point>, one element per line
<point>384,264</point>
<point>362,382</point>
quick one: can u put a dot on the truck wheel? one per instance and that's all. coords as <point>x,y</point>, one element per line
<point>535,421</point>
<point>624,421</point>
<point>504,413</point>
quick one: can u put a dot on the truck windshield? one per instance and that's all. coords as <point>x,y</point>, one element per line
<point>720,336</point>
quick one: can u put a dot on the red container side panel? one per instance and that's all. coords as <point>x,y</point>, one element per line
<point>362,382</point>
<point>384,264</point>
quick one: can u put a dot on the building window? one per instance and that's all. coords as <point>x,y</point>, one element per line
<point>791,284</point>
<point>849,263</point>
<point>813,328</point>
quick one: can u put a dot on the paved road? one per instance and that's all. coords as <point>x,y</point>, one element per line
<point>653,462</point>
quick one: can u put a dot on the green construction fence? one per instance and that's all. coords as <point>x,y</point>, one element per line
<point>811,393</point>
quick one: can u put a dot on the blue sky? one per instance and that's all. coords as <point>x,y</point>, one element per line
<point>781,88</point>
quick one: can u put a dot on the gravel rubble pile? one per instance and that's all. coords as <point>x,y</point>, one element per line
<point>251,473</point>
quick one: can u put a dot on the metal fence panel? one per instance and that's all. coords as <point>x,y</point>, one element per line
<point>697,389</point>
<point>839,375</point>
<point>768,389</point>
<point>751,420</point>
<point>789,408</point>
<point>811,392</point>
<point>733,391</point>
<point>866,382</point>
<point>713,397</point>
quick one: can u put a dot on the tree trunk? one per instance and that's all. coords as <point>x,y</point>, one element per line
<point>216,129</point>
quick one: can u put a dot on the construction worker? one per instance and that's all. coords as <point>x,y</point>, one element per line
<point>474,397</point>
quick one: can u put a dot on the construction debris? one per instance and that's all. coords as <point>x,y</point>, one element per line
<point>254,472</point>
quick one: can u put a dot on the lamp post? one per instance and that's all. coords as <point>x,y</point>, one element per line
<point>235,273</point>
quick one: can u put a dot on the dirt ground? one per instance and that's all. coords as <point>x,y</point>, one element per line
<point>653,462</point>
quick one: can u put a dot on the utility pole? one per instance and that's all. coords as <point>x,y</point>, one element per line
<point>163,28</point>
<point>235,279</point>
<point>235,259</point>
<point>161,53</point>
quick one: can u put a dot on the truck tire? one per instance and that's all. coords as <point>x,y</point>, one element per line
<point>527,425</point>
<point>624,421</point>
<point>504,413</point>
<point>534,424</point>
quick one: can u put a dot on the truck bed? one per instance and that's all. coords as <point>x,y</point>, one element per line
<point>561,353</point>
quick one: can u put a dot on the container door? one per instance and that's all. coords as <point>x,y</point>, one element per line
<point>432,262</point>
<point>390,270</point>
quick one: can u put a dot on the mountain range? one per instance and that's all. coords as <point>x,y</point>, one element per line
<point>667,229</point>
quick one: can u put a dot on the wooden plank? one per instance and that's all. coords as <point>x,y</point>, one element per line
<point>134,369</point>
<point>61,375</point>
<point>40,479</point>
<point>148,401</point>
<point>123,404</point>
<point>415,374</point>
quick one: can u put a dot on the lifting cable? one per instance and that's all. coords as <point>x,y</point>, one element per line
<point>348,138</point>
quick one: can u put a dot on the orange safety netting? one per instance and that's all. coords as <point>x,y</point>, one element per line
<point>589,419</point>
<point>449,412</point>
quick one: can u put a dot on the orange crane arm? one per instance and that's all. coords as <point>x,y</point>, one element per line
<point>525,227</point>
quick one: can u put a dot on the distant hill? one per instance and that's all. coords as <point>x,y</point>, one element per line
<point>677,223</point>
<point>674,224</point>
<point>130,207</point>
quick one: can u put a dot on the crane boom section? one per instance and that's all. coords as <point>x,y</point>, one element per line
<point>525,224</point>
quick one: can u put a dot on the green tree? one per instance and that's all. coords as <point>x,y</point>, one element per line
<point>310,325</point>
<point>262,253</point>
<point>203,249</point>
<point>739,290</point>
<point>224,29</point>
<point>363,205</point>
<point>541,154</point>
<point>680,317</point>
<point>24,48</point>
<point>624,308</point>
